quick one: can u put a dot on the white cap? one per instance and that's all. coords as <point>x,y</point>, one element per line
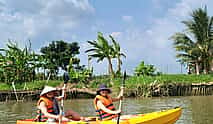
<point>47,89</point>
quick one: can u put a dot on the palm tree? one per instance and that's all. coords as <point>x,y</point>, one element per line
<point>188,52</point>
<point>117,54</point>
<point>1,67</point>
<point>101,50</point>
<point>196,45</point>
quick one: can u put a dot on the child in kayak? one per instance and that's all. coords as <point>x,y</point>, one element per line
<point>49,108</point>
<point>104,103</point>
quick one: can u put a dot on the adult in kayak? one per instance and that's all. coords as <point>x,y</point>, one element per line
<point>103,103</point>
<point>48,108</point>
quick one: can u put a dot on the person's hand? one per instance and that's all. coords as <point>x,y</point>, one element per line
<point>121,97</point>
<point>117,111</point>
<point>122,88</point>
<point>63,88</point>
<point>59,117</point>
<point>65,119</point>
<point>62,118</point>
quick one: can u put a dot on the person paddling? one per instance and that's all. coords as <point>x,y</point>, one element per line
<point>103,103</point>
<point>49,108</point>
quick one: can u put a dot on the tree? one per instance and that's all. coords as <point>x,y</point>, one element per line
<point>196,46</point>
<point>58,54</point>
<point>79,73</point>
<point>1,67</point>
<point>101,50</point>
<point>143,69</point>
<point>117,54</point>
<point>17,64</point>
<point>189,52</point>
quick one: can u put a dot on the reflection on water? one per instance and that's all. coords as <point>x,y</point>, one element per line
<point>202,110</point>
<point>196,110</point>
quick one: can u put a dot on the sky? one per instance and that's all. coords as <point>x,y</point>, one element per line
<point>142,27</point>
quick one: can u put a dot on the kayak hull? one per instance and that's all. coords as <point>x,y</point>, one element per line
<point>161,117</point>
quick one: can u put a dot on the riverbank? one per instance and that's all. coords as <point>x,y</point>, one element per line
<point>143,86</point>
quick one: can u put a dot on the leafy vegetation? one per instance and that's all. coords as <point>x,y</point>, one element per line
<point>195,47</point>
<point>102,49</point>
<point>24,65</point>
<point>131,81</point>
<point>134,81</point>
<point>58,54</point>
<point>36,85</point>
<point>18,65</point>
<point>145,69</point>
<point>117,54</point>
<point>80,74</point>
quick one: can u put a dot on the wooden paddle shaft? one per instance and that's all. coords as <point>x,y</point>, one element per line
<point>62,103</point>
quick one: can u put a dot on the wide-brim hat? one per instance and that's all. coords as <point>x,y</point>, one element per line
<point>103,87</point>
<point>47,89</point>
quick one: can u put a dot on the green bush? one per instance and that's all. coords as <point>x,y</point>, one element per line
<point>145,69</point>
<point>4,86</point>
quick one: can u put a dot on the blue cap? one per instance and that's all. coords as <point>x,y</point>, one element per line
<point>103,87</point>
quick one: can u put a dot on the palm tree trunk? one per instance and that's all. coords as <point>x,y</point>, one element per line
<point>188,69</point>
<point>111,72</point>
<point>44,74</point>
<point>197,68</point>
<point>119,65</point>
<point>205,67</point>
<point>211,66</point>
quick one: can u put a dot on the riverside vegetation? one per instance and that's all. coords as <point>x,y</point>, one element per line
<point>136,86</point>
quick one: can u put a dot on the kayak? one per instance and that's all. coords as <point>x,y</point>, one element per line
<point>169,116</point>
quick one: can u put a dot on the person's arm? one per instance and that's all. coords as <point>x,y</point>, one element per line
<point>43,109</point>
<point>115,99</point>
<point>120,96</point>
<point>102,107</point>
<point>59,98</point>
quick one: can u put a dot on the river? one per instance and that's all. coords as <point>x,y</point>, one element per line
<point>196,109</point>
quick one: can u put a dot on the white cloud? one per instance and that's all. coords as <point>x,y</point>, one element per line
<point>41,20</point>
<point>127,18</point>
<point>116,34</point>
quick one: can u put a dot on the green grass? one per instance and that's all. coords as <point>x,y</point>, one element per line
<point>4,86</point>
<point>135,81</point>
<point>131,81</point>
<point>36,85</point>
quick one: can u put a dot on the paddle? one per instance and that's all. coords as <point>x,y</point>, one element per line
<point>66,79</point>
<point>120,105</point>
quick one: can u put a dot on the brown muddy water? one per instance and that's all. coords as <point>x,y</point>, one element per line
<point>196,109</point>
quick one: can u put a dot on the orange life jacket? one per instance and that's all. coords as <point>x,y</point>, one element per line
<point>50,108</point>
<point>107,102</point>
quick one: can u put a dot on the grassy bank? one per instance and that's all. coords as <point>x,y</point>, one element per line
<point>162,85</point>
<point>132,82</point>
<point>30,85</point>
